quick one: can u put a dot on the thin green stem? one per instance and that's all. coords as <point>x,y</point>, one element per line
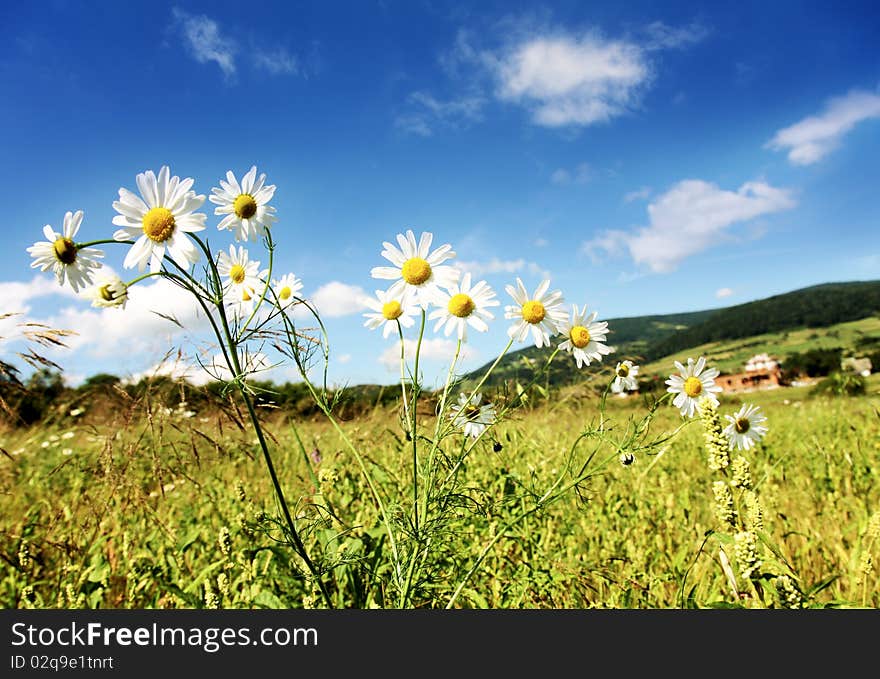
<point>413,432</point>
<point>403,373</point>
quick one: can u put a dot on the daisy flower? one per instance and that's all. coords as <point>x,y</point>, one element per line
<point>109,291</point>
<point>691,384</point>
<point>245,205</point>
<point>59,253</point>
<point>625,377</point>
<point>542,313</point>
<point>243,279</point>
<point>464,305</point>
<point>584,336</point>
<point>472,417</point>
<point>746,428</point>
<point>416,269</point>
<point>389,310</point>
<point>287,289</point>
<point>160,221</point>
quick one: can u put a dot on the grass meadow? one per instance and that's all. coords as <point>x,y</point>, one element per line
<point>157,505</point>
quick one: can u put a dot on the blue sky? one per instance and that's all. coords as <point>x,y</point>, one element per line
<point>647,157</point>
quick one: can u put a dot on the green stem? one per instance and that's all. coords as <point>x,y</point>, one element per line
<point>413,434</point>
<point>403,373</point>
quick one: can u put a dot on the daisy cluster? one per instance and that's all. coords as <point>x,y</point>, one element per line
<point>694,386</point>
<point>159,222</point>
<point>423,282</point>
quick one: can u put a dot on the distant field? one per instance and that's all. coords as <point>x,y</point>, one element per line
<point>730,356</point>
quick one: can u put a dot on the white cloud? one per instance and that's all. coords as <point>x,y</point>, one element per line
<point>639,194</point>
<point>277,61</point>
<point>432,349</point>
<point>344,358</point>
<point>495,265</point>
<point>541,243</point>
<point>689,218</point>
<point>336,299</point>
<point>721,293</point>
<point>17,294</point>
<point>814,137</point>
<point>572,80</point>
<point>582,174</point>
<point>204,41</point>
<point>138,327</point>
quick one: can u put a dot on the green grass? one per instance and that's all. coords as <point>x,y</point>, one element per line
<point>137,514</point>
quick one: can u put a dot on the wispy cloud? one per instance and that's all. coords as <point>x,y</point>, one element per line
<point>582,174</point>
<point>495,266</point>
<point>721,293</point>
<point>639,194</point>
<point>689,218</point>
<point>814,137</point>
<point>277,61</point>
<point>662,36</point>
<point>204,41</point>
<point>426,113</point>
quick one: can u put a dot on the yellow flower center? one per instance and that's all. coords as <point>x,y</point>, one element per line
<point>65,250</point>
<point>392,310</point>
<point>159,224</point>
<point>245,295</point>
<point>623,370</point>
<point>236,273</point>
<point>415,271</point>
<point>471,412</point>
<point>742,425</point>
<point>105,293</point>
<point>461,305</point>
<point>693,387</point>
<point>285,293</point>
<point>533,312</point>
<point>580,336</point>
<point>245,206</point>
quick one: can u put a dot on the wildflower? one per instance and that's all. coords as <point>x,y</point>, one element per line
<point>464,305</point>
<point>472,417</point>
<point>159,221</point>
<point>693,384</point>
<point>716,443</point>
<point>245,205</point>
<point>746,428</point>
<point>625,377</point>
<point>787,591</point>
<point>724,503</point>
<point>416,269</point>
<point>243,279</point>
<point>753,511</point>
<point>60,253</point>
<point>390,309</point>
<point>584,337</point>
<point>741,473</point>
<point>541,313</point>
<point>225,541</point>
<point>109,291</point>
<point>287,289</point>
<point>746,549</point>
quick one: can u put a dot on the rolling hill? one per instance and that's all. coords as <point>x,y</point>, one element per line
<point>827,315</point>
